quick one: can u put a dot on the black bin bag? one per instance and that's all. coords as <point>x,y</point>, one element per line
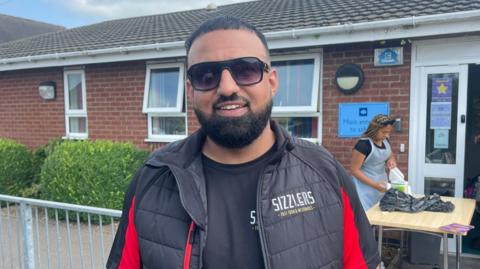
<point>395,200</point>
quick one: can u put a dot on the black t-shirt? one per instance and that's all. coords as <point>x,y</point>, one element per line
<point>363,146</point>
<point>233,240</point>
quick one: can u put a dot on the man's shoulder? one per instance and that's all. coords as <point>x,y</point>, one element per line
<point>311,149</point>
<point>321,160</point>
<point>178,151</point>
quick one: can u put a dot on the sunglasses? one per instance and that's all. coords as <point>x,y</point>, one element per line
<point>245,71</point>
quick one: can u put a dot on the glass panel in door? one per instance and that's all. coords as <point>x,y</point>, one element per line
<point>442,106</point>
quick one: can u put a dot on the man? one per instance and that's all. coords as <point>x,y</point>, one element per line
<point>240,193</point>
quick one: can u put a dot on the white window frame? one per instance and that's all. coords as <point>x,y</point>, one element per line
<point>313,107</point>
<point>165,112</point>
<point>75,112</point>
<point>314,110</point>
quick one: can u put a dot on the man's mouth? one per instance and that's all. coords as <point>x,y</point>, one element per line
<point>230,107</point>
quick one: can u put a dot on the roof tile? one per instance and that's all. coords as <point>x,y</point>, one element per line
<point>267,15</point>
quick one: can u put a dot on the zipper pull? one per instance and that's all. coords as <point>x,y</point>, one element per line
<point>191,233</point>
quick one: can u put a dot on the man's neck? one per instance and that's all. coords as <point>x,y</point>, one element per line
<point>245,154</point>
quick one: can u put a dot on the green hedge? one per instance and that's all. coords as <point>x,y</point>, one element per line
<point>89,173</point>
<point>39,156</point>
<point>16,167</point>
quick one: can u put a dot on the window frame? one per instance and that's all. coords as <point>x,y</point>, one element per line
<point>313,107</point>
<point>314,110</point>
<point>165,112</point>
<point>69,113</point>
<point>180,88</point>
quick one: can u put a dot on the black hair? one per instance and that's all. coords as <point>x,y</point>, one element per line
<point>223,23</point>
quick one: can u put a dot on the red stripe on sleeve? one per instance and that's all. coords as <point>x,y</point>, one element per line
<point>131,252</point>
<point>352,253</point>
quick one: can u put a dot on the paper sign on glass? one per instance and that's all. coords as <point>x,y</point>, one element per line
<point>440,115</point>
<point>442,89</point>
<point>440,138</point>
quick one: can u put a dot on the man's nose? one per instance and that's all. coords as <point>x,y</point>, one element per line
<point>227,85</point>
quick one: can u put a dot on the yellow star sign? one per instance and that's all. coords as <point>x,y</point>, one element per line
<point>442,89</point>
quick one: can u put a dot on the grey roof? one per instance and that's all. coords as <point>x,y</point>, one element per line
<point>13,28</point>
<point>267,15</point>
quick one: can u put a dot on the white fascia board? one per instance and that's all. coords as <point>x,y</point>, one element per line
<point>154,51</point>
<point>364,32</point>
<point>423,26</point>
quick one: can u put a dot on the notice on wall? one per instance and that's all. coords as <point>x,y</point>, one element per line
<point>442,89</point>
<point>440,115</point>
<point>353,118</point>
<point>440,139</point>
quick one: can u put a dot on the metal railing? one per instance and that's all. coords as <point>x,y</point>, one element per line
<point>44,234</point>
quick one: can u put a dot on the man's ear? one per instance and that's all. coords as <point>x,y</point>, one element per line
<point>189,87</point>
<point>273,81</point>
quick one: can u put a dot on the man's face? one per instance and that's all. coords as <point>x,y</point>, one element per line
<point>232,116</point>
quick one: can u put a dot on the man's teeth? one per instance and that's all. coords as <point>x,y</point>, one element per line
<point>230,107</point>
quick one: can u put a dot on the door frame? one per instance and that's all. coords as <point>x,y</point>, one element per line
<point>456,51</point>
<point>452,171</point>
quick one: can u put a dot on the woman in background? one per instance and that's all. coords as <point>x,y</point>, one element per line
<point>369,157</point>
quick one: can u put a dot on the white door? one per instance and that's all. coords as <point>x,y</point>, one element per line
<point>441,136</point>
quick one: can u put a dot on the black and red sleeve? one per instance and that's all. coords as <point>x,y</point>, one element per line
<point>125,249</point>
<point>360,247</point>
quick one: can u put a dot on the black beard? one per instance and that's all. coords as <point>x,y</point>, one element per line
<point>235,132</point>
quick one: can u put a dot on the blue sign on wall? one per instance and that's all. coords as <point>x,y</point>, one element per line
<point>388,56</point>
<point>353,118</point>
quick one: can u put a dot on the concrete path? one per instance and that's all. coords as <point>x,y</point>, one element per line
<point>54,250</point>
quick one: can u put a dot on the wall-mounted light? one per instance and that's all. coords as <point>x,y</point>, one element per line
<point>349,78</point>
<point>46,89</point>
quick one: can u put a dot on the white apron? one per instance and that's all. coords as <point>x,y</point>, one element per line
<point>374,168</point>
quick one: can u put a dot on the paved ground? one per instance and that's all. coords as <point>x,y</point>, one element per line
<point>466,263</point>
<point>54,250</point>
<point>84,255</point>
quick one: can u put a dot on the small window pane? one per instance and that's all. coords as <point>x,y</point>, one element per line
<point>77,124</point>
<point>305,127</point>
<point>441,186</point>
<point>163,88</point>
<point>75,97</point>
<point>168,126</point>
<point>295,82</point>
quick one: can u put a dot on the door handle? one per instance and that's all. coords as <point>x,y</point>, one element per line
<point>462,118</point>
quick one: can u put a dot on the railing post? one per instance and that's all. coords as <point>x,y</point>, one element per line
<point>27,232</point>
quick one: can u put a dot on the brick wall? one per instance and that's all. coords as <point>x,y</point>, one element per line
<point>382,84</point>
<point>114,104</point>
<point>115,101</point>
<point>115,98</point>
<point>24,115</point>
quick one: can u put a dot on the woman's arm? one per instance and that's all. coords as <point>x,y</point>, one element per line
<point>356,163</point>
<point>391,162</point>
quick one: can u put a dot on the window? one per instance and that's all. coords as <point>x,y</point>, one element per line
<point>299,79</point>
<point>76,123</point>
<point>164,102</point>
<point>295,105</point>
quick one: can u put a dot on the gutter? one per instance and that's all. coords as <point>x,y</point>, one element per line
<point>407,23</point>
<point>362,26</point>
<point>121,50</point>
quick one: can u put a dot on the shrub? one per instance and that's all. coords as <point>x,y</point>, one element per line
<point>39,156</point>
<point>89,173</point>
<point>16,171</point>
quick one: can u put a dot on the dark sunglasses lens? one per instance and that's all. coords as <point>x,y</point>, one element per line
<point>246,71</point>
<point>204,76</point>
